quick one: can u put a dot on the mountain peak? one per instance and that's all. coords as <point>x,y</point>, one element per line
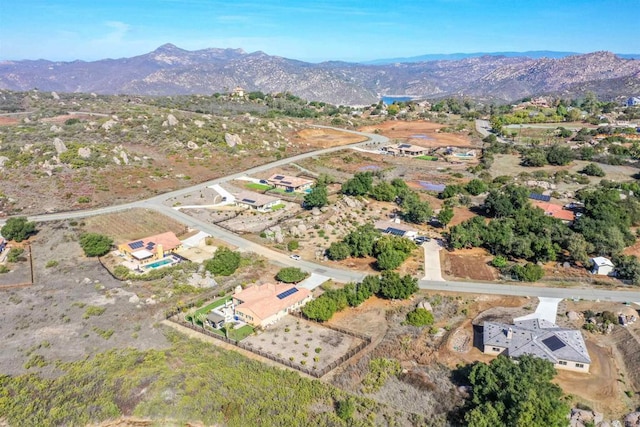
<point>168,48</point>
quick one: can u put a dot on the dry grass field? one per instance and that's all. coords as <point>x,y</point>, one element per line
<point>133,224</point>
<point>425,134</point>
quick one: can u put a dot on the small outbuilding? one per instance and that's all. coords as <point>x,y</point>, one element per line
<point>602,266</point>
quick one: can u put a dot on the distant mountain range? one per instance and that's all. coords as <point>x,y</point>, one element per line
<point>170,70</point>
<point>533,54</point>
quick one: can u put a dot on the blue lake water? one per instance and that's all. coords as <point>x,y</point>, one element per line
<point>391,99</point>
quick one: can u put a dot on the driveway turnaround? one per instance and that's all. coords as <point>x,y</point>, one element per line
<point>547,309</point>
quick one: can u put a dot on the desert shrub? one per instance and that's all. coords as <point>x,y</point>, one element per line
<point>94,244</point>
<point>224,262</point>
<point>420,317</point>
<point>18,229</point>
<point>293,245</point>
<point>15,255</point>
<point>291,275</point>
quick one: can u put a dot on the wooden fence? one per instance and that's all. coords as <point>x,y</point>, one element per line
<point>173,316</point>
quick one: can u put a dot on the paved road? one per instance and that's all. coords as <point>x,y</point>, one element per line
<point>157,203</point>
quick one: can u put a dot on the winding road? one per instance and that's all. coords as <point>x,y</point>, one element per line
<point>157,203</point>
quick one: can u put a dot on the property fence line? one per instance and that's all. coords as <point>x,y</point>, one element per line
<point>173,316</point>
<point>363,337</point>
<point>31,273</point>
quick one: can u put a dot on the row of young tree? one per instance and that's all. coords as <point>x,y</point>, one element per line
<point>389,285</point>
<point>516,230</point>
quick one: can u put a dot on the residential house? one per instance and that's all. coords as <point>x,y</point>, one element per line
<point>151,248</point>
<point>256,201</point>
<point>408,150</point>
<point>290,183</point>
<point>396,228</point>
<point>565,348</point>
<point>602,266</point>
<point>238,92</point>
<point>263,305</point>
<point>555,211</point>
<point>633,101</point>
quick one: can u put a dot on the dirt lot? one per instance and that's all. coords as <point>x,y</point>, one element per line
<point>324,138</point>
<point>75,309</point>
<point>297,340</point>
<point>468,264</point>
<point>133,224</point>
<point>425,134</point>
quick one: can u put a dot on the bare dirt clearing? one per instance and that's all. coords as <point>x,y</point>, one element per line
<point>468,264</point>
<point>325,138</point>
<point>133,224</point>
<point>425,134</point>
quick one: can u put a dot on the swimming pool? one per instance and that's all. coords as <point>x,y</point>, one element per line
<point>161,263</point>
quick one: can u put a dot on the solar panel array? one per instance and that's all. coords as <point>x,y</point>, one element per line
<point>278,177</point>
<point>283,295</point>
<point>404,146</point>
<point>136,245</point>
<point>150,246</point>
<point>554,343</point>
<point>395,231</point>
<point>286,182</point>
<point>248,201</point>
<point>541,197</point>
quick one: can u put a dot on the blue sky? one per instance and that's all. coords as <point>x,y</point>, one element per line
<point>313,30</point>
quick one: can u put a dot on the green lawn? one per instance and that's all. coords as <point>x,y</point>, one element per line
<point>241,333</point>
<point>207,308</point>
<point>431,158</point>
<point>256,186</point>
<point>277,207</point>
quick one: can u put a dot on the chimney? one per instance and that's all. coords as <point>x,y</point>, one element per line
<point>509,333</point>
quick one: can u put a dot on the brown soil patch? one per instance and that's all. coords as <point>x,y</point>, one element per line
<point>633,250</point>
<point>65,117</point>
<point>428,133</point>
<point>460,215</point>
<point>133,224</point>
<point>325,138</point>
<point>6,121</point>
<point>468,264</point>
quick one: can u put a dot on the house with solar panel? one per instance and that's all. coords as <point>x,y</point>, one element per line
<point>408,150</point>
<point>153,251</point>
<point>263,305</point>
<point>290,183</point>
<point>396,228</point>
<point>565,348</point>
<point>256,201</point>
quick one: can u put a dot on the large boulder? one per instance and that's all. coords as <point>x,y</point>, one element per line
<point>59,146</point>
<point>109,124</point>
<point>232,139</point>
<point>632,420</point>
<point>84,152</point>
<point>171,120</point>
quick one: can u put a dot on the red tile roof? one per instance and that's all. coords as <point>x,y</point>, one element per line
<point>555,211</point>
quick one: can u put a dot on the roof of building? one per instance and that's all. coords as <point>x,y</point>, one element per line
<point>168,241</point>
<point>538,196</point>
<point>392,227</point>
<point>555,211</point>
<point>407,148</point>
<point>601,261</point>
<point>142,254</point>
<point>289,181</point>
<point>268,299</point>
<point>215,317</point>
<point>255,199</point>
<point>537,337</point>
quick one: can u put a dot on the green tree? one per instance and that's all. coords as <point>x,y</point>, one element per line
<point>394,286</point>
<point>291,275</point>
<point>420,317</point>
<point>628,267</point>
<point>338,251</point>
<point>450,191</point>
<point>317,197</point>
<point>445,216</point>
<point>476,187</point>
<point>320,309</point>
<point>534,158</point>
<point>94,244</point>
<point>18,229</point>
<point>528,273</point>
<point>515,394</point>
<point>359,185</point>
<point>384,192</point>
<point>506,201</point>
<point>390,259</point>
<point>361,241</point>
<point>224,262</point>
<point>292,245</point>
<point>416,210</point>
<point>559,155</point>
<point>593,170</point>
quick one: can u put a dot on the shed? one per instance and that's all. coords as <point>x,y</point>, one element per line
<point>602,266</point>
